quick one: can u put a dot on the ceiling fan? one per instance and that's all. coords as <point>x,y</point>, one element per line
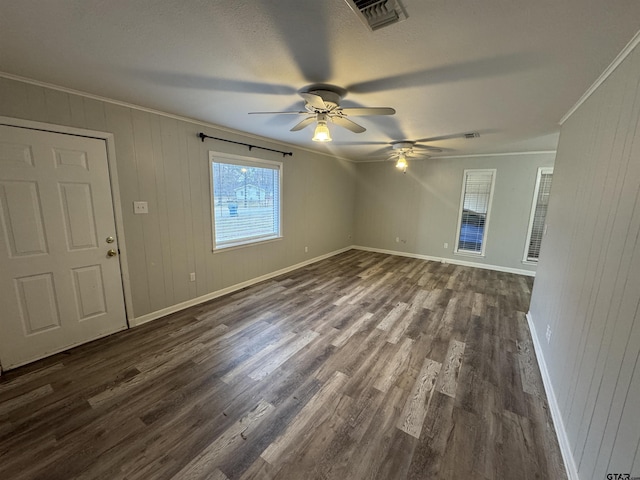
<point>322,105</point>
<point>403,149</point>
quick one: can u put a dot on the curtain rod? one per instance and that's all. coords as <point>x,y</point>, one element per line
<point>203,136</point>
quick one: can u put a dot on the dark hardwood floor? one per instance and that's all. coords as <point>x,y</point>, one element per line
<point>361,366</point>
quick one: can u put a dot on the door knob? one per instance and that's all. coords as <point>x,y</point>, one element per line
<point>112,253</point>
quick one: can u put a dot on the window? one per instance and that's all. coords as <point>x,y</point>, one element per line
<point>538,214</point>
<point>475,204</point>
<point>245,200</point>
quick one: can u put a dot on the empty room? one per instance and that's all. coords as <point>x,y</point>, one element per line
<point>338,239</point>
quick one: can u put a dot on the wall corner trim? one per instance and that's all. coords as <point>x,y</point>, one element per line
<point>453,261</point>
<point>561,433</point>
<point>633,43</point>
<point>233,288</point>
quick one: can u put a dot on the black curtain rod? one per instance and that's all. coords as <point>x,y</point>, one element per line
<point>203,136</point>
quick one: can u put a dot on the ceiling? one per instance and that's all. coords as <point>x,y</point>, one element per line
<point>508,69</point>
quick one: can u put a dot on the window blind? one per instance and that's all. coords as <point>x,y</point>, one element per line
<point>539,216</point>
<point>476,198</point>
<point>246,200</point>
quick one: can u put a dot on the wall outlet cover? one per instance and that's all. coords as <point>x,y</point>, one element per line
<point>140,208</point>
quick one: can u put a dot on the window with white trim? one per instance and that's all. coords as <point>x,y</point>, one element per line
<point>538,214</point>
<point>246,200</point>
<point>475,205</point>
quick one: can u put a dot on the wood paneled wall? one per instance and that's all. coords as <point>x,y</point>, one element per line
<point>421,207</point>
<point>160,160</point>
<point>587,287</point>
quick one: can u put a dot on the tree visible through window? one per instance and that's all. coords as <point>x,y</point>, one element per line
<point>246,200</point>
<point>538,214</point>
<point>477,189</point>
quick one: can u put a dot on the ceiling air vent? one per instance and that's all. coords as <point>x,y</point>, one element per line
<point>377,13</point>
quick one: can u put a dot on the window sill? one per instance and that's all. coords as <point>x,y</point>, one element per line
<point>529,262</point>
<point>469,254</point>
<point>249,243</point>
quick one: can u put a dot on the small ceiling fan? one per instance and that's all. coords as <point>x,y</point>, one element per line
<point>322,105</point>
<point>403,149</point>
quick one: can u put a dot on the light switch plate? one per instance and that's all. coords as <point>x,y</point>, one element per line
<point>140,208</point>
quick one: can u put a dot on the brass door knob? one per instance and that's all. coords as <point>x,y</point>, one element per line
<point>112,253</point>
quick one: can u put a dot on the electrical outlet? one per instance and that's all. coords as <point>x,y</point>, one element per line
<point>192,277</point>
<point>397,239</point>
<point>140,208</point>
<point>446,245</point>
<point>306,249</point>
<point>548,333</point>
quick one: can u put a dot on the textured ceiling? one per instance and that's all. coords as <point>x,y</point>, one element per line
<point>509,69</point>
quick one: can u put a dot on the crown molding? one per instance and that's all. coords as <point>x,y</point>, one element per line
<point>470,155</point>
<point>633,43</point>
<point>500,154</point>
<point>133,106</point>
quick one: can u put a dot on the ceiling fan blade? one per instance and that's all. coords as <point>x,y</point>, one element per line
<point>428,147</point>
<point>360,143</point>
<point>306,122</point>
<point>278,113</point>
<point>207,82</point>
<point>314,100</point>
<point>449,137</point>
<point>363,111</point>
<point>470,70</point>
<point>348,124</point>
<point>382,153</point>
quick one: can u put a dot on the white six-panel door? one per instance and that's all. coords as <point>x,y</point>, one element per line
<point>58,286</point>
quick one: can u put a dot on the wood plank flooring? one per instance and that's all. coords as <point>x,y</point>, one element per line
<point>361,366</point>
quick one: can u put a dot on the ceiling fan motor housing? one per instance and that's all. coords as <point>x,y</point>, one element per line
<point>403,147</point>
<point>331,100</point>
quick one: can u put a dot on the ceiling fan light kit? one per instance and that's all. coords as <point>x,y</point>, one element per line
<point>403,149</point>
<point>322,133</point>
<point>402,164</point>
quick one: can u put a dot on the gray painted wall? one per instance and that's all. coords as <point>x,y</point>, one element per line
<point>587,287</point>
<point>160,160</point>
<point>421,207</point>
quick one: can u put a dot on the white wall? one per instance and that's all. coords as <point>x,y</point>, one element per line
<point>587,287</point>
<point>421,207</point>
<point>160,160</point>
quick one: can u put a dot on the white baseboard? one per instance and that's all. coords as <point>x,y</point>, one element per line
<point>218,293</point>
<point>453,261</point>
<point>233,288</point>
<point>563,440</point>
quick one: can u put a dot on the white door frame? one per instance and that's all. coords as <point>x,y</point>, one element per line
<point>115,192</point>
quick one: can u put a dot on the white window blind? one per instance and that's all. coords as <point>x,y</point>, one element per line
<point>477,191</point>
<point>538,214</point>
<point>246,200</point>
